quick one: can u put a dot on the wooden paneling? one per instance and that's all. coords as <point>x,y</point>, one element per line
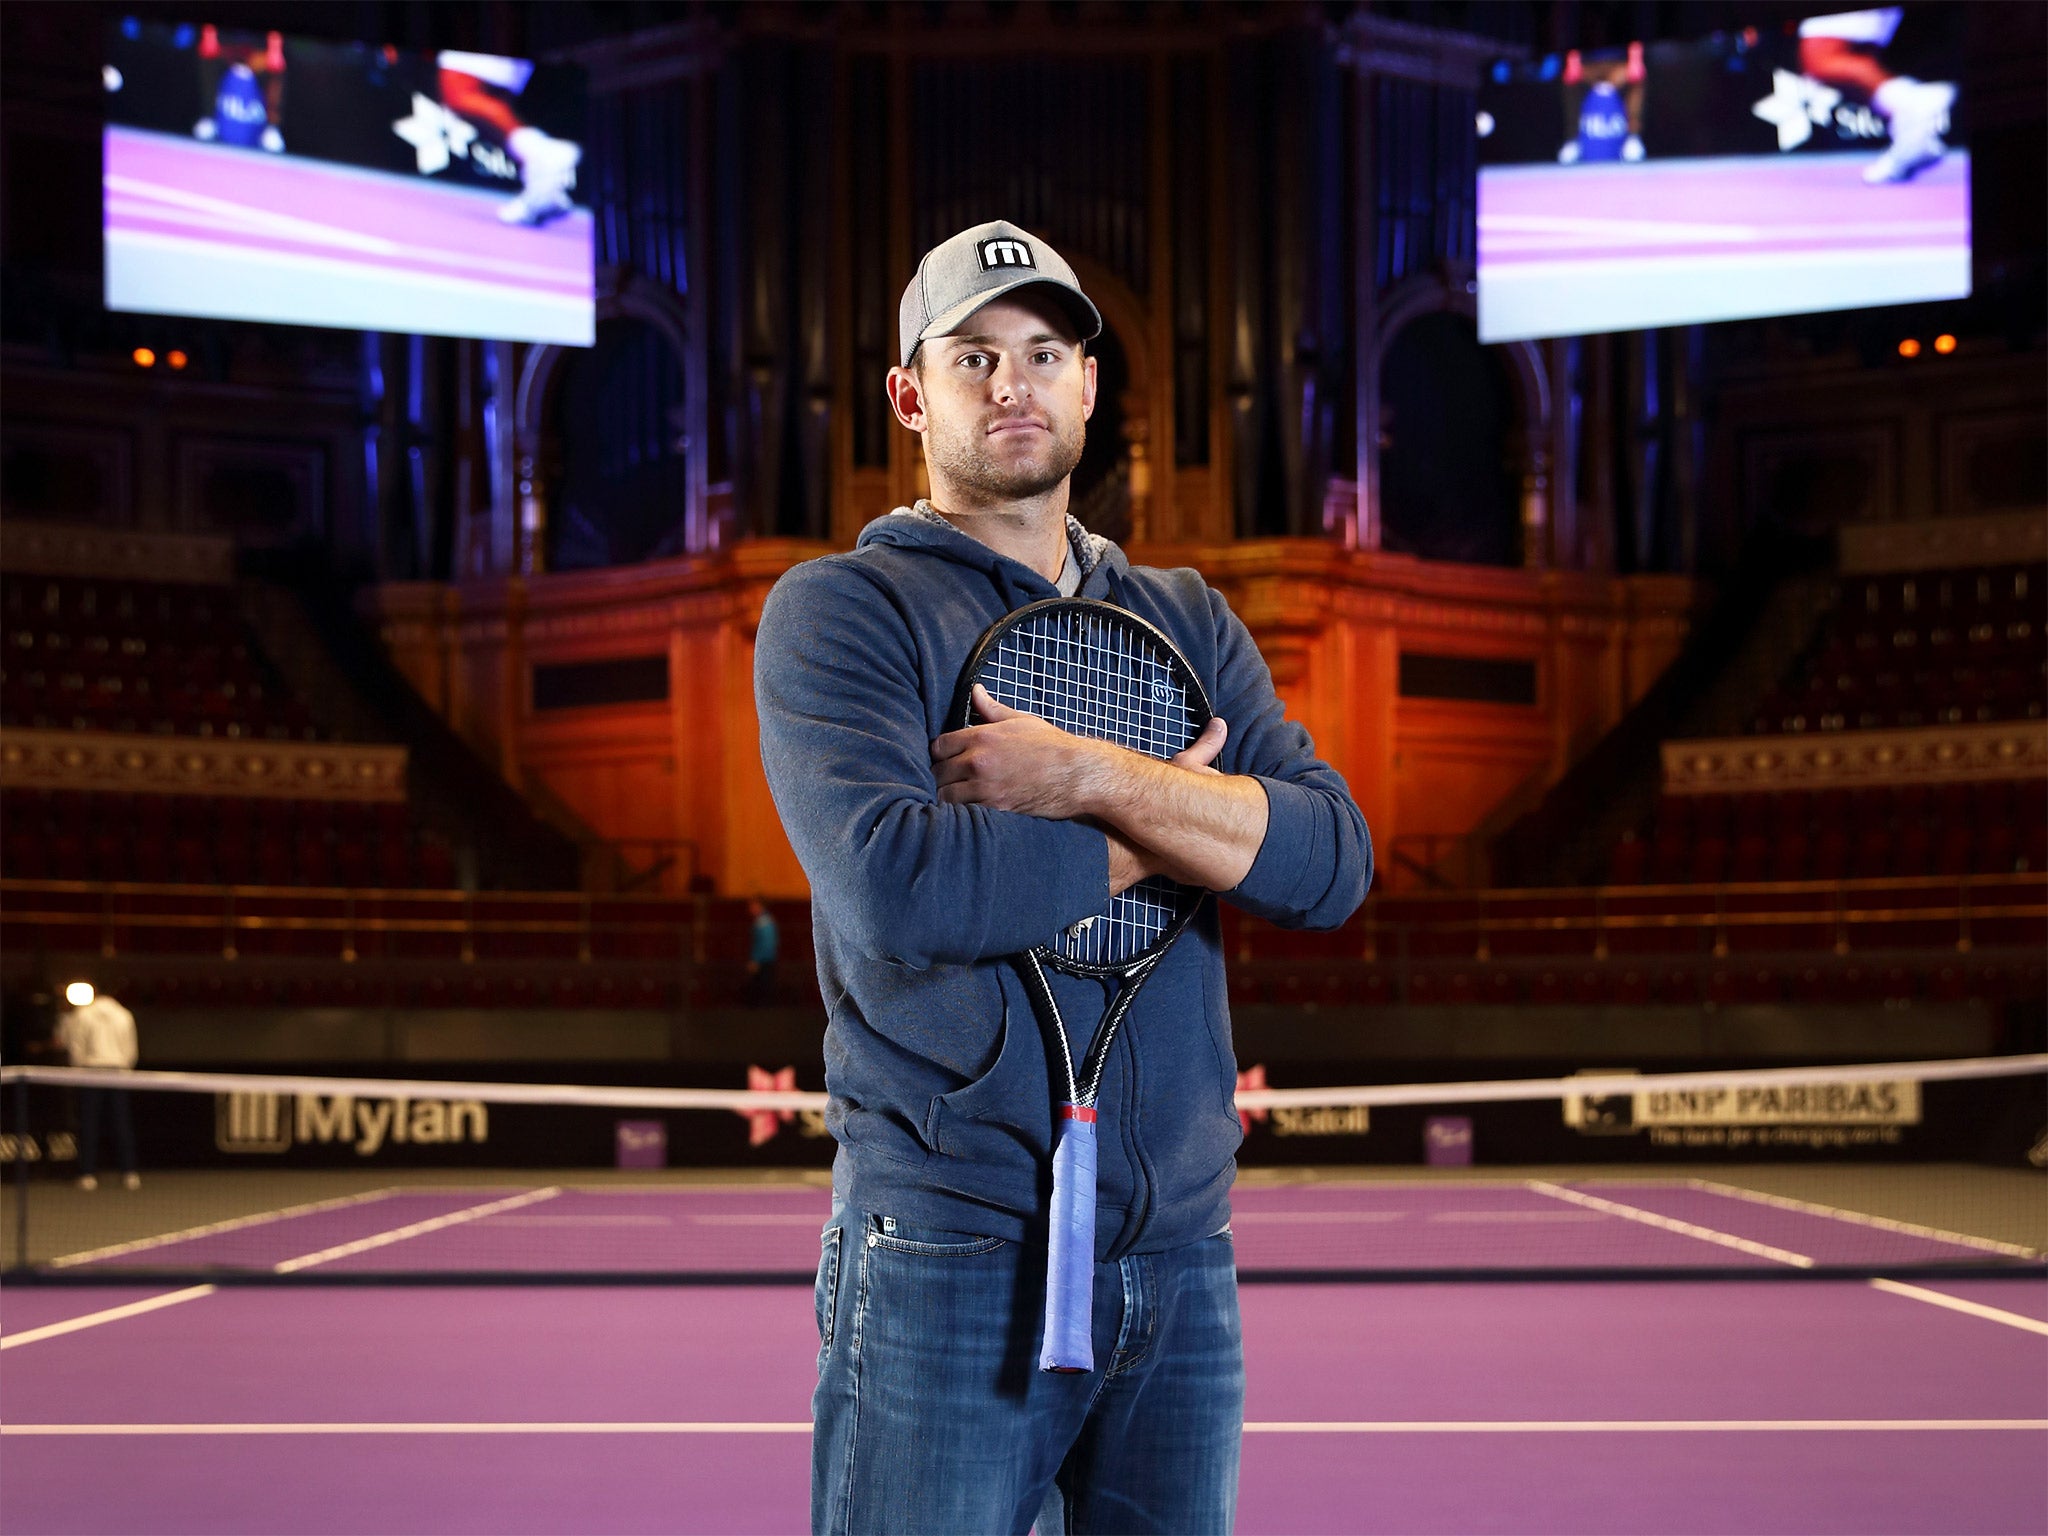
<point>1330,622</point>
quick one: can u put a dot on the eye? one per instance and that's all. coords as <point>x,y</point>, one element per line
<point>972,359</point>
<point>1045,355</point>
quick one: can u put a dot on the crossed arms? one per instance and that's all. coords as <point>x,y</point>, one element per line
<point>1180,818</point>
<point>912,870</point>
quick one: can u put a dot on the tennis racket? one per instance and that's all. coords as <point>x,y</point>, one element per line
<point>1094,670</point>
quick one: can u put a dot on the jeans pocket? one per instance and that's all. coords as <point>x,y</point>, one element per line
<point>936,1242</point>
<point>825,1295</point>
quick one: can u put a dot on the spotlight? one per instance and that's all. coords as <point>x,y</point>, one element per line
<point>79,994</point>
<point>1944,344</point>
<point>177,360</point>
<point>144,358</point>
<point>1910,347</point>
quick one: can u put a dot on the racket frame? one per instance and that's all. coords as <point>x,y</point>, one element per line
<point>1066,1344</point>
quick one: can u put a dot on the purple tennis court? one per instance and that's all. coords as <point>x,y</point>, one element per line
<point>195,228</point>
<point>1366,1226</point>
<point>1821,1406</point>
<point>1653,1405</point>
<point>1591,248</point>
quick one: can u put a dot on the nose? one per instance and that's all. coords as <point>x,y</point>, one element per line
<point>1008,383</point>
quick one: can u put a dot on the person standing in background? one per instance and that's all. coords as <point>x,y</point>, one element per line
<point>96,1031</point>
<point>763,946</point>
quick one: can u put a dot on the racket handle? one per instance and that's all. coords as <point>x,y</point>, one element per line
<point>1070,1262</point>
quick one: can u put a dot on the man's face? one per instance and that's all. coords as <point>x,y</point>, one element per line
<point>1003,405</point>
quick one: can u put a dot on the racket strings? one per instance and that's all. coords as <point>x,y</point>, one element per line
<point>1092,675</point>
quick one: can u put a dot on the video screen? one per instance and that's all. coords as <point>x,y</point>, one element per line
<point>1810,168</point>
<point>259,176</point>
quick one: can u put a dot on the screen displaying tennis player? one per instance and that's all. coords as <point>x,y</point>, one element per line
<point>260,176</point>
<point>1817,166</point>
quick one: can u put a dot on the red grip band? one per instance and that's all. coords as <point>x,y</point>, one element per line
<point>1077,1112</point>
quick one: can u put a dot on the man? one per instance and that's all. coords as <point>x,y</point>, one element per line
<point>96,1031</point>
<point>934,857</point>
<point>764,944</point>
<point>1846,51</point>
<point>482,88</point>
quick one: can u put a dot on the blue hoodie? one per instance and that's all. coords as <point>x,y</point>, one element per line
<point>941,1097</point>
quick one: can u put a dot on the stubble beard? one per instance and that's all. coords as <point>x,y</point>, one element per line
<point>962,456</point>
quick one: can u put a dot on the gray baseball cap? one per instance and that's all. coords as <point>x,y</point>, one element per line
<point>978,265</point>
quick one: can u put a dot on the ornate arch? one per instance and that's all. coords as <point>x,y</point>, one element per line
<point>1415,297</point>
<point>622,294</point>
<point>1125,313</point>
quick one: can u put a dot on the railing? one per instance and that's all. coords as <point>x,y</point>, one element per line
<point>457,925</point>
<point>1489,926</point>
<point>1484,925</point>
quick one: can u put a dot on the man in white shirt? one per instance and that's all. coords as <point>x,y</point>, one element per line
<point>96,1031</point>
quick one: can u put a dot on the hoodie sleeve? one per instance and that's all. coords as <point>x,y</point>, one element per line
<point>1315,865</point>
<point>899,875</point>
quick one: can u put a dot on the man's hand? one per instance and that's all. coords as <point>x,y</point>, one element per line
<point>1180,818</point>
<point>1017,762</point>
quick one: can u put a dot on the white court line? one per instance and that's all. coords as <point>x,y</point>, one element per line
<point>1957,1304</point>
<point>1671,1224</point>
<point>1883,1223</point>
<point>765,1219</point>
<point>1262,1218</point>
<point>1514,1216</point>
<point>416,1229</point>
<point>485,1427</point>
<point>1269,1427</point>
<point>669,1190</point>
<point>234,1224</point>
<point>109,1315</point>
<point>582,1221</point>
<point>1628,1426</point>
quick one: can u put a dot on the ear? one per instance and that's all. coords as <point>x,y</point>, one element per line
<point>906,398</point>
<point>1088,377</point>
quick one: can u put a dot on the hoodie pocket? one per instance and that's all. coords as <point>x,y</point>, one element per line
<point>1009,1105</point>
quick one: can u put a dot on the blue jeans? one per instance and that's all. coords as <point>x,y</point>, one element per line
<point>931,1414</point>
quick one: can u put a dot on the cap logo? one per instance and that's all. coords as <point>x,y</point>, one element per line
<point>1004,252</point>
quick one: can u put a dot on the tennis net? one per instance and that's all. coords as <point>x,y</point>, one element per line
<point>1928,1167</point>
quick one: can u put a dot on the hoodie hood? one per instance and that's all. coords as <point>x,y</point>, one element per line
<point>922,527</point>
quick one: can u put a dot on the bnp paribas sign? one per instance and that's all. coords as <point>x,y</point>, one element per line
<point>277,1122</point>
<point>1819,1114</point>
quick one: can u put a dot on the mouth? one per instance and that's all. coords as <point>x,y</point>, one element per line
<point>1003,428</point>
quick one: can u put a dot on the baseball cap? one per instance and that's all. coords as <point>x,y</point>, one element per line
<point>981,264</point>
